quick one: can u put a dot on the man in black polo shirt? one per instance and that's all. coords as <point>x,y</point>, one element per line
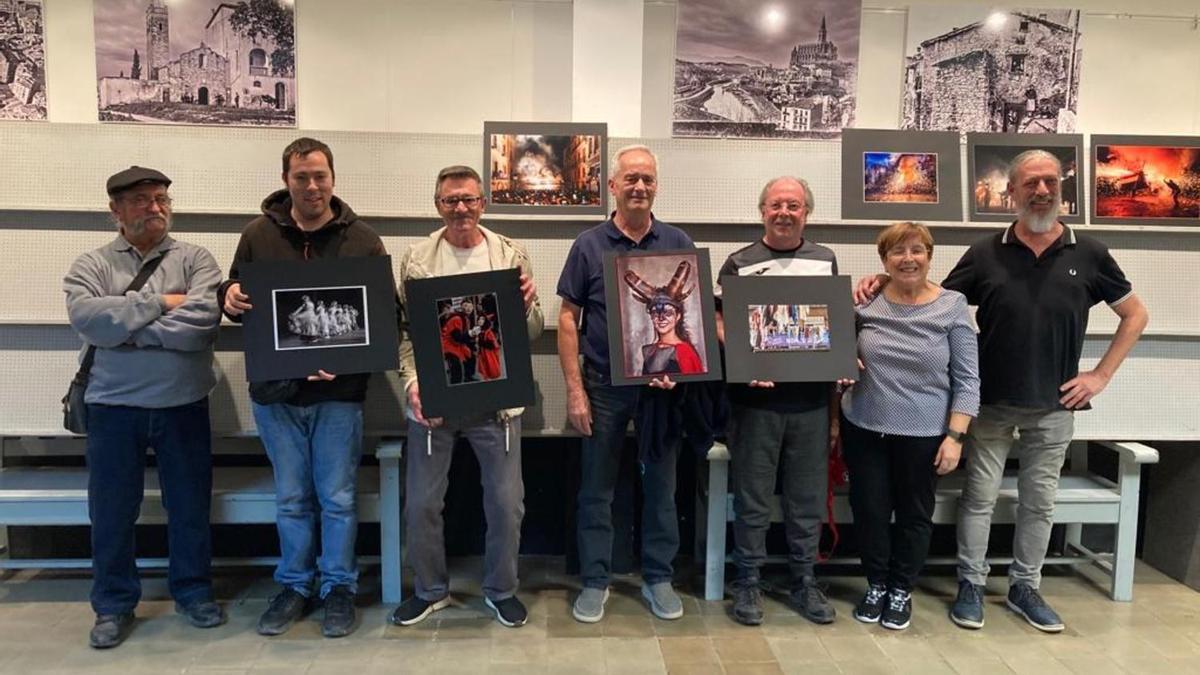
<point>1034,284</point>
<point>600,410</point>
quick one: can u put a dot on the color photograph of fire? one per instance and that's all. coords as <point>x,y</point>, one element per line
<point>545,170</point>
<point>1145,181</point>
<point>992,162</point>
<point>900,177</point>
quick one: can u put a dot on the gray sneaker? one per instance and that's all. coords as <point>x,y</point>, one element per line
<point>589,606</point>
<point>663,599</point>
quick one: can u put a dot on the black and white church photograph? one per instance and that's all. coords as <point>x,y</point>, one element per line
<point>755,69</point>
<point>316,318</point>
<point>196,62</point>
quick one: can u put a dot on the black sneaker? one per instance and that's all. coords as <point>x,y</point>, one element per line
<point>967,610</point>
<point>509,611</point>
<point>202,614</point>
<point>870,608</point>
<point>898,612</point>
<point>415,610</point>
<point>808,599</point>
<point>110,630</point>
<point>747,604</point>
<point>1026,601</point>
<point>284,610</point>
<point>339,613</point>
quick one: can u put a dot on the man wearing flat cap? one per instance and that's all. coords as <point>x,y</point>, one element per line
<point>152,346</point>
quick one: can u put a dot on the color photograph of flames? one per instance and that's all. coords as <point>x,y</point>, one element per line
<point>900,177</point>
<point>545,170</point>
<point>1146,181</point>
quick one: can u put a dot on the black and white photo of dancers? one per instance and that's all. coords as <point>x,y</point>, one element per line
<point>315,318</point>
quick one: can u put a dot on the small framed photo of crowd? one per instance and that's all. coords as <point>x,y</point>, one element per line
<point>332,314</point>
<point>989,157</point>
<point>470,343</point>
<point>550,168</point>
<point>901,175</point>
<point>661,318</point>
<point>788,329</point>
<point>1145,180</point>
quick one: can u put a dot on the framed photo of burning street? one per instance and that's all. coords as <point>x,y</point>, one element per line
<point>550,168</point>
<point>989,157</point>
<point>788,329</point>
<point>470,343</point>
<point>1145,180</point>
<point>661,316</point>
<point>901,175</point>
<point>333,314</point>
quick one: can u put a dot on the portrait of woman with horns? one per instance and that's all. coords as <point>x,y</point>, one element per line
<point>672,350</point>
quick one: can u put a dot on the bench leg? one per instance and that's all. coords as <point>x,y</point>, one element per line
<point>390,528</point>
<point>1126,540</point>
<point>714,559</point>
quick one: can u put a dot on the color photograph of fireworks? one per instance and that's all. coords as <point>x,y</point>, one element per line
<point>900,177</point>
<point>1146,182</point>
<point>545,168</point>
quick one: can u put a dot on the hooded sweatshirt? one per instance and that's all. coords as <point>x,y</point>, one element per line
<point>275,236</point>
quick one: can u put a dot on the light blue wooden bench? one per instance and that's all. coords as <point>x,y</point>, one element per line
<point>1084,498</point>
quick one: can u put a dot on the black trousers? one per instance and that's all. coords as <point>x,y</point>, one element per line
<point>891,474</point>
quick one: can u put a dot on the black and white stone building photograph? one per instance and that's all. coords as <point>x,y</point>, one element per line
<point>981,69</point>
<point>765,69</point>
<point>314,318</point>
<point>196,62</point>
<point>22,61</point>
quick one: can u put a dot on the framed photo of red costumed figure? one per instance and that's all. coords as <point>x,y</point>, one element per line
<point>661,318</point>
<point>470,343</point>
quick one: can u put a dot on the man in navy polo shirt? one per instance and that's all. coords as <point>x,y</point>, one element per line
<point>1034,284</point>
<point>600,410</point>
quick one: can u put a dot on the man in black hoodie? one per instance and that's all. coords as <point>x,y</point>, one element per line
<point>312,428</point>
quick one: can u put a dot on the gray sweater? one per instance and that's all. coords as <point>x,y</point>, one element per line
<point>146,356</point>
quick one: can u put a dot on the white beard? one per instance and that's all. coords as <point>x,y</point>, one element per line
<point>1039,224</point>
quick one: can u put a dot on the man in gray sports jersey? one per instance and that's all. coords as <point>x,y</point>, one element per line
<point>786,425</point>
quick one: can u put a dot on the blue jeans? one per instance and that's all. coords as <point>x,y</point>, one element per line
<point>315,450</point>
<point>612,408</point>
<point>117,440</point>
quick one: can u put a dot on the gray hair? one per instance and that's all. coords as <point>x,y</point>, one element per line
<point>616,159</point>
<point>456,171</point>
<point>1029,156</point>
<point>808,195</point>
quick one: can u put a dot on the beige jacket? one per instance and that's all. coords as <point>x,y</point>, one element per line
<point>421,261</point>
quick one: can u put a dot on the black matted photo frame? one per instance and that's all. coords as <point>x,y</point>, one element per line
<point>1145,180</point>
<point>788,329</point>
<point>470,343</point>
<point>901,175</point>
<point>332,314</point>
<point>550,168</point>
<point>989,157</point>
<point>661,316</point>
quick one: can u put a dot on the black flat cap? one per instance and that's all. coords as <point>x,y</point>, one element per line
<point>133,176</point>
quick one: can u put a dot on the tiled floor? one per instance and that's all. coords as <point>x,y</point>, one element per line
<point>44,619</point>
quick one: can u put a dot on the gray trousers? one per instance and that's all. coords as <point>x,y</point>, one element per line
<point>1041,441</point>
<point>762,445</point>
<point>428,469</point>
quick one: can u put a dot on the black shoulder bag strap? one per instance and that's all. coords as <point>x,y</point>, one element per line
<point>85,367</point>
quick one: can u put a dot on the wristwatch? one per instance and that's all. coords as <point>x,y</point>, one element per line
<point>956,435</point>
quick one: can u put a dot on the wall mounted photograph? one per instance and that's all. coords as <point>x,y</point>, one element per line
<point>753,69</point>
<point>989,157</point>
<point>901,175</point>
<point>196,62</point>
<point>470,343</point>
<point>546,168</point>
<point>22,61</point>
<point>788,329</point>
<point>335,314</point>
<point>992,70</point>
<point>661,317</point>
<point>1146,180</point>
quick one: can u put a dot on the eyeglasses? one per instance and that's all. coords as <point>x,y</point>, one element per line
<point>452,202</point>
<point>785,206</point>
<point>899,251</point>
<point>144,201</point>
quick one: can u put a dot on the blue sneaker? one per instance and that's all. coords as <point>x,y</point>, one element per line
<point>1026,601</point>
<point>967,610</point>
